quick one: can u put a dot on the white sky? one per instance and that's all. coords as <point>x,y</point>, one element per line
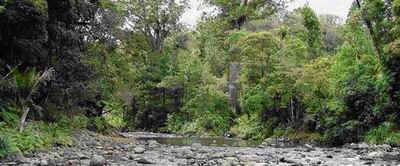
<point>336,7</point>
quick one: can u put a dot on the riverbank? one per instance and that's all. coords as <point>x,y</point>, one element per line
<point>93,149</point>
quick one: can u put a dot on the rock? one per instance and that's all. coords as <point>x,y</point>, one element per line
<point>98,161</point>
<point>132,156</point>
<point>9,163</point>
<point>124,159</point>
<point>81,156</point>
<point>139,150</point>
<point>384,147</point>
<point>377,154</point>
<point>269,141</point>
<point>188,154</point>
<point>196,145</point>
<point>128,147</point>
<point>227,162</point>
<point>21,159</point>
<point>218,155</point>
<point>250,163</point>
<point>244,158</point>
<point>43,163</point>
<point>144,161</point>
<point>152,144</point>
<point>287,161</point>
<point>309,147</point>
<point>230,154</point>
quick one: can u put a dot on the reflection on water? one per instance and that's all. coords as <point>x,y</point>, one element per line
<point>187,141</point>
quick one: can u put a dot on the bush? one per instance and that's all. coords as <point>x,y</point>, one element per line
<point>252,127</point>
<point>99,124</point>
<point>35,136</point>
<point>386,133</point>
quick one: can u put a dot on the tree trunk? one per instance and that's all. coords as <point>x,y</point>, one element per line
<point>233,84</point>
<point>23,117</point>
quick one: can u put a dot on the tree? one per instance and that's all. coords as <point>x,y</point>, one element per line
<point>311,23</point>
<point>237,12</point>
<point>156,19</point>
<point>23,86</point>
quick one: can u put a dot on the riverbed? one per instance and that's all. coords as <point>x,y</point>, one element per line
<point>139,149</point>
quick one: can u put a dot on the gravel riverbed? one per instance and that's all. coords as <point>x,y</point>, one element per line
<point>93,149</point>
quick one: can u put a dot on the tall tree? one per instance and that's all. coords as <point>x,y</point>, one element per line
<point>237,12</point>
<point>311,23</point>
<point>156,19</point>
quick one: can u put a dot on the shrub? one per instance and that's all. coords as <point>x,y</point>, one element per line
<point>252,127</point>
<point>386,133</point>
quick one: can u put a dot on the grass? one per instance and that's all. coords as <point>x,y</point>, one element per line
<point>39,135</point>
<point>386,133</point>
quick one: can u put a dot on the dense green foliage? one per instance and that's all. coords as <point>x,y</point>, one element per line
<point>249,71</point>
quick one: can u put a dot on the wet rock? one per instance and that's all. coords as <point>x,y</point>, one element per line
<point>139,150</point>
<point>98,161</point>
<point>144,161</point>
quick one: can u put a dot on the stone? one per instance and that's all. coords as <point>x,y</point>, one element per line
<point>144,161</point>
<point>132,156</point>
<point>128,147</point>
<point>43,163</point>
<point>9,163</point>
<point>152,144</point>
<point>139,150</point>
<point>230,154</point>
<point>124,159</point>
<point>196,145</point>
<point>218,155</point>
<point>377,154</point>
<point>81,156</point>
<point>261,164</point>
<point>309,147</point>
<point>98,161</point>
<point>269,141</point>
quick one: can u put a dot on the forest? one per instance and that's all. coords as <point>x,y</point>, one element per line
<point>251,70</point>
